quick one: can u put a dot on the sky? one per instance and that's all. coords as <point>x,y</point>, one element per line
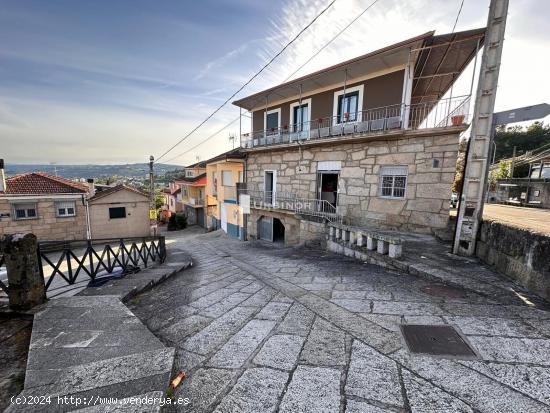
<point>109,82</point>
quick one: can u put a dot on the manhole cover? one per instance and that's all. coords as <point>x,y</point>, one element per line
<point>436,340</point>
<point>442,290</point>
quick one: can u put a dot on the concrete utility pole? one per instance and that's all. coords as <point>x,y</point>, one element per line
<point>477,162</point>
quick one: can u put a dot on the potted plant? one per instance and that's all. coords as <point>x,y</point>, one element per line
<point>457,120</point>
<point>346,115</point>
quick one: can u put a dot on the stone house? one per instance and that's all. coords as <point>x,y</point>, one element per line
<point>372,142</point>
<point>224,173</point>
<point>50,207</point>
<point>119,212</point>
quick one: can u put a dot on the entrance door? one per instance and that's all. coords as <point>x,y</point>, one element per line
<point>200,217</point>
<point>265,228</point>
<point>224,218</point>
<point>269,187</point>
<point>328,187</point>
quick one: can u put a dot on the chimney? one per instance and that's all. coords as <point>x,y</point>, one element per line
<point>91,186</point>
<point>2,176</point>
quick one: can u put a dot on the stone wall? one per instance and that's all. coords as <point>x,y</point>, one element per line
<point>426,205</point>
<point>47,226</point>
<point>520,254</point>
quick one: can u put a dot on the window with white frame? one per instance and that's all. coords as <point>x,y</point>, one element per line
<point>65,209</point>
<point>189,174</point>
<point>393,181</point>
<point>26,210</point>
<point>227,178</point>
<point>347,106</point>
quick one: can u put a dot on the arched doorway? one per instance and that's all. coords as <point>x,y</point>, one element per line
<point>271,229</point>
<point>278,231</point>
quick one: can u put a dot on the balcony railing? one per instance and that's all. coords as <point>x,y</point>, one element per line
<point>287,201</point>
<point>439,114</point>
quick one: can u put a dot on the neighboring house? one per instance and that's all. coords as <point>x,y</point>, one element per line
<point>50,207</point>
<point>119,212</point>
<point>532,191</point>
<point>193,198</point>
<point>369,141</point>
<point>171,198</point>
<point>224,173</point>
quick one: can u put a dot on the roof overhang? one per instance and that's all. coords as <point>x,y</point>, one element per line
<point>448,53</point>
<point>440,61</point>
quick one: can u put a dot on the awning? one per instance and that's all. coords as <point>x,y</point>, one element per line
<point>438,62</point>
<point>441,60</point>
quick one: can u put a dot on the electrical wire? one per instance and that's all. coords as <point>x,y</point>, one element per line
<point>248,81</point>
<point>297,70</point>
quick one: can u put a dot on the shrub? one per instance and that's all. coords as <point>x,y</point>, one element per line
<point>181,221</point>
<point>172,226</point>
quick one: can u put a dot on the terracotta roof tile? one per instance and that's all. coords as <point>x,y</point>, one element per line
<point>116,189</point>
<point>37,183</point>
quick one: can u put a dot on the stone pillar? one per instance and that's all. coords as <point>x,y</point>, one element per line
<point>331,233</point>
<point>371,243</point>
<point>395,250</point>
<point>382,247</point>
<point>360,239</point>
<point>25,282</point>
<point>345,235</point>
<point>352,238</point>
<point>338,233</point>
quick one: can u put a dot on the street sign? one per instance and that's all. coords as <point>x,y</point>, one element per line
<point>522,114</point>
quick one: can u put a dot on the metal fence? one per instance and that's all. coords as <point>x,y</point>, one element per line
<point>291,202</point>
<point>439,114</point>
<point>66,263</point>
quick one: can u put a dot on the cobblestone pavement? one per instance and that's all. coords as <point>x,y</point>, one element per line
<point>264,329</point>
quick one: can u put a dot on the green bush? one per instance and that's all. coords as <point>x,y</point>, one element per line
<point>181,221</point>
<point>172,226</point>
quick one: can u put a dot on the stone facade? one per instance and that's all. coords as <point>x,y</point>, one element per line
<point>430,160</point>
<point>47,226</point>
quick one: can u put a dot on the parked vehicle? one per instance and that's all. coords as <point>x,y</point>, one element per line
<point>454,200</point>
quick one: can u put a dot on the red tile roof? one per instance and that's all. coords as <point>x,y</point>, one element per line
<point>116,189</point>
<point>39,183</point>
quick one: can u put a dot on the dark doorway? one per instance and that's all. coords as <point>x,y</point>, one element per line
<point>328,187</point>
<point>278,231</point>
<point>269,186</point>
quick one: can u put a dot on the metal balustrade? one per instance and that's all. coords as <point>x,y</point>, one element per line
<point>438,114</point>
<point>288,201</point>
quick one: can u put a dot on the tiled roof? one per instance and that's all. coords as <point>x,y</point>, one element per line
<point>116,189</point>
<point>199,182</point>
<point>39,183</point>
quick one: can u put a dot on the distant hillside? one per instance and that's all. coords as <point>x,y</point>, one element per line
<point>137,170</point>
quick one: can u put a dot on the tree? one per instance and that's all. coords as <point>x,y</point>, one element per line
<point>159,199</point>
<point>529,139</point>
<point>502,171</point>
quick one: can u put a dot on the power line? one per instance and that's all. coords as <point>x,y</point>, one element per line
<point>249,80</point>
<point>293,73</point>
<point>203,141</point>
<point>458,15</point>
<point>331,40</point>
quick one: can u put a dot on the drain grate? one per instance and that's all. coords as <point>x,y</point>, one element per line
<point>445,291</point>
<point>436,340</point>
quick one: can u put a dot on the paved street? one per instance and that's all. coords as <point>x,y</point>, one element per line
<point>261,328</point>
<point>520,217</point>
<point>528,218</point>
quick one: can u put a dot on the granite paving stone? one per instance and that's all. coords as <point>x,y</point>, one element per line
<point>203,387</point>
<point>373,376</point>
<point>298,320</point>
<point>240,347</point>
<point>257,391</point>
<point>280,352</point>
<point>273,311</point>
<point>325,345</point>
<point>218,331</point>
<point>313,390</point>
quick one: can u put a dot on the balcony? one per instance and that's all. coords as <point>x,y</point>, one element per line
<point>290,202</point>
<point>440,114</point>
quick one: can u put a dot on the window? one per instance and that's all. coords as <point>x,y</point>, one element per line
<point>25,211</point>
<point>185,193</point>
<point>241,176</point>
<point>272,120</point>
<point>65,209</point>
<point>300,118</point>
<point>227,178</point>
<point>393,181</point>
<point>189,174</point>
<point>348,107</point>
<point>117,212</point>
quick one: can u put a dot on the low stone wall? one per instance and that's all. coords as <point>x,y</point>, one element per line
<point>518,253</point>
